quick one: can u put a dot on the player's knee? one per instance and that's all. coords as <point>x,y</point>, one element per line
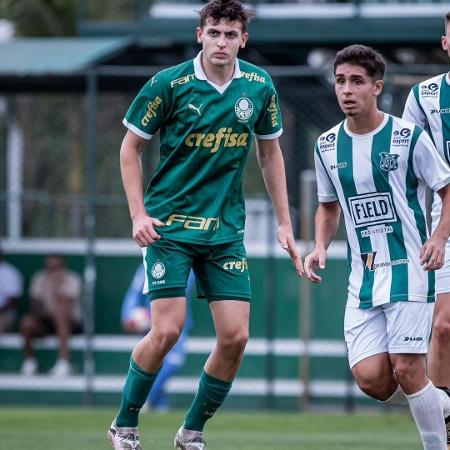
<point>405,371</point>
<point>441,331</point>
<point>26,326</point>
<point>373,385</point>
<point>166,338</point>
<point>234,342</point>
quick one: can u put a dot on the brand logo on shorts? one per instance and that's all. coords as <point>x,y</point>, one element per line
<point>240,265</point>
<point>389,161</point>
<point>243,109</point>
<point>158,270</point>
<point>416,339</point>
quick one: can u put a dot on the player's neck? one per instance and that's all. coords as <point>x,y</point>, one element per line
<point>219,75</point>
<point>363,124</point>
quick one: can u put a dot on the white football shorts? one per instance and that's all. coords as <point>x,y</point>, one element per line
<point>400,327</point>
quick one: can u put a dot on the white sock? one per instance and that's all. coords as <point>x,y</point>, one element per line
<point>426,409</point>
<point>398,398</point>
<point>445,400</point>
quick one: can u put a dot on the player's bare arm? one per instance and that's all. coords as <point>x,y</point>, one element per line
<point>433,252</point>
<point>326,225</point>
<point>131,169</point>
<point>271,161</point>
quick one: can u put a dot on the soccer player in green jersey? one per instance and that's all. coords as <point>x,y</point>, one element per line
<point>374,168</point>
<point>207,110</point>
<point>428,105</point>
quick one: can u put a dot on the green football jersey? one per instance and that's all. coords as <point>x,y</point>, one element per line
<point>206,133</point>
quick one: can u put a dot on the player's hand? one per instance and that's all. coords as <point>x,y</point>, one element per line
<point>144,229</point>
<point>287,242</point>
<point>432,254</point>
<point>315,260</point>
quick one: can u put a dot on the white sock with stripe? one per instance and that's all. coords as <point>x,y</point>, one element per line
<point>426,409</point>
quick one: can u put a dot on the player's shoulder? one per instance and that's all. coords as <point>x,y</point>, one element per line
<point>328,139</point>
<point>429,87</point>
<point>404,128</point>
<point>254,74</point>
<point>173,76</point>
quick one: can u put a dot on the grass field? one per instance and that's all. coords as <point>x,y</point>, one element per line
<point>85,429</point>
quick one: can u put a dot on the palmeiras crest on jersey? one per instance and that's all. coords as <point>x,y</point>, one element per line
<point>158,270</point>
<point>389,161</point>
<point>243,109</point>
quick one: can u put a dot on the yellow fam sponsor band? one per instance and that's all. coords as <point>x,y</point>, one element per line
<point>213,141</point>
<point>195,223</point>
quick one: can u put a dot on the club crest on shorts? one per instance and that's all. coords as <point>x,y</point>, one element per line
<point>243,109</point>
<point>389,161</point>
<point>158,270</point>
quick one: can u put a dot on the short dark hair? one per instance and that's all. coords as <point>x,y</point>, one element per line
<point>230,10</point>
<point>361,55</point>
<point>446,21</point>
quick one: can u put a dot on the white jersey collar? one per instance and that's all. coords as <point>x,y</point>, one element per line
<point>370,133</point>
<point>200,73</point>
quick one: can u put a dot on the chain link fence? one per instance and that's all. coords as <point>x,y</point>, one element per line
<point>44,158</point>
<point>61,191</point>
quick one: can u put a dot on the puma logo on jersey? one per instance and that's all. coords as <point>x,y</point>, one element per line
<point>195,108</point>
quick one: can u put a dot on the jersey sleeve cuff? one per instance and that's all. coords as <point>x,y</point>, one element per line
<point>275,135</point>
<point>136,130</point>
<point>437,187</point>
<point>326,198</point>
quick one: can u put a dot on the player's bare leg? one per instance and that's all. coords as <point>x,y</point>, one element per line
<point>439,352</point>
<point>168,315</point>
<point>231,319</point>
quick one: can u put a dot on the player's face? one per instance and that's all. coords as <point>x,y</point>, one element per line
<point>445,40</point>
<point>356,91</point>
<point>221,42</point>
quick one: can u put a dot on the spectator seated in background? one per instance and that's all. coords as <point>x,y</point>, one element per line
<point>136,318</point>
<point>11,290</point>
<point>55,296</point>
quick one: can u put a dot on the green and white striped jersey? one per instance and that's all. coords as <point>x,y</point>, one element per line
<point>206,133</point>
<point>428,106</point>
<point>379,179</point>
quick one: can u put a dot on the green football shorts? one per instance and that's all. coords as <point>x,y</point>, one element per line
<point>221,271</point>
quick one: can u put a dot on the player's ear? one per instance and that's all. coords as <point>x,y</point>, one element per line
<point>445,43</point>
<point>199,33</point>
<point>378,87</point>
<point>244,39</point>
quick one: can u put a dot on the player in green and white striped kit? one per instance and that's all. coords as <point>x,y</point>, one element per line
<point>375,168</point>
<point>428,105</point>
<point>208,111</point>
